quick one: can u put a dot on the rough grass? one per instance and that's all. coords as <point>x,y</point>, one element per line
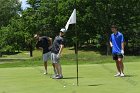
<point>67,58</point>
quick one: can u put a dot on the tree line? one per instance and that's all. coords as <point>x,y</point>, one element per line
<point>47,17</point>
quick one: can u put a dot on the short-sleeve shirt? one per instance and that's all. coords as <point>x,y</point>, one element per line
<point>43,43</point>
<point>117,40</point>
<point>56,44</point>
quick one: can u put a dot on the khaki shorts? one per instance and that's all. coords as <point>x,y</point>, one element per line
<point>46,56</point>
<point>54,58</point>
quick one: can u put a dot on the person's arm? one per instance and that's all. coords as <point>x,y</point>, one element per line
<point>60,51</point>
<point>61,48</point>
<point>38,47</point>
<point>50,41</point>
<point>110,42</point>
<point>111,45</point>
<point>122,50</point>
<point>122,45</point>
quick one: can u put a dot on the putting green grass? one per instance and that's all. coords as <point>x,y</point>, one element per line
<point>93,78</point>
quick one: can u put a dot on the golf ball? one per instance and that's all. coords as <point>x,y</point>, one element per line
<point>64,86</point>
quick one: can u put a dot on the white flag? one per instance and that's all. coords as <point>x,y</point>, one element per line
<point>72,19</point>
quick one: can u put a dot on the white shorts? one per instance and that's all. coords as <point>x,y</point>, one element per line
<point>46,56</point>
<point>54,58</point>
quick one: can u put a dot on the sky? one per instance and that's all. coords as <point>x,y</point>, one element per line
<point>24,5</point>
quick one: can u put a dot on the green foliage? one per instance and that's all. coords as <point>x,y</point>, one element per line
<point>8,9</point>
<point>94,18</point>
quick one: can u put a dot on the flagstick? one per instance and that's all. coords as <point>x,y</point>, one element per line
<point>76,47</point>
<point>72,20</point>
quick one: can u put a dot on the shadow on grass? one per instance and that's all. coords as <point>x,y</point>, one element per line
<point>10,53</point>
<point>95,85</point>
<point>71,77</point>
<point>130,75</point>
<point>91,47</point>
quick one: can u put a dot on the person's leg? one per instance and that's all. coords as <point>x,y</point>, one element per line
<point>53,63</point>
<point>118,66</point>
<point>57,68</point>
<point>54,69</point>
<point>60,70</point>
<point>121,66</point>
<point>45,66</point>
<point>45,59</point>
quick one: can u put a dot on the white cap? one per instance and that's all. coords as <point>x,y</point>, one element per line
<point>63,30</point>
<point>36,35</point>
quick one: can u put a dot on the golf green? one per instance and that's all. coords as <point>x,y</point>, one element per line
<point>93,78</point>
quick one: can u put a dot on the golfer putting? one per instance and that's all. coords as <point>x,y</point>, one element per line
<point>57,47</point>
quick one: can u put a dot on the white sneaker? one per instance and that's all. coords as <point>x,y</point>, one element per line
<point>122,75</point>
<point>45,73</point>
<point>59,77</point>
<point>54,76</point>
<point>117,75</point>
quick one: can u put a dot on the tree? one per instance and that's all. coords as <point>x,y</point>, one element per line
<point>8,9</point>
<point>94,18</point>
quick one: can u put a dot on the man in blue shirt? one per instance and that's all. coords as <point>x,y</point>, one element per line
<point>117,44</point>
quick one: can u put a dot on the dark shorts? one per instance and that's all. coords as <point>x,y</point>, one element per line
<point>116,56</point>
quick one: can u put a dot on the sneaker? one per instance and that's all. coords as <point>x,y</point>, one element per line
<point>118,74</point>
<point>54,76</point>
<point>59,77</point>
<point>122,74</point>
<point>45,73</point>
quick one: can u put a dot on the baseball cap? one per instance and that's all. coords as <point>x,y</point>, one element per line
<point>36,35</point>
<point>63,30</point>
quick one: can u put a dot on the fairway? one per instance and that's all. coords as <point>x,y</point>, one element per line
<point>93,78</point>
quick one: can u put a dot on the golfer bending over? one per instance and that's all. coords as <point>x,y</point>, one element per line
<point>44,43</point>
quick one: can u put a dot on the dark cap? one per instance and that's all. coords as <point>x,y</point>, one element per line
<point>113,26</point>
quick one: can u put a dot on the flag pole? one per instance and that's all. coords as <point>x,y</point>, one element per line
<point>76,50</point>
<point>77,56</point>
<point>72,20</point>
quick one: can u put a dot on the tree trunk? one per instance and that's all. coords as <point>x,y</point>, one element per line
<point>31,49</point>
<point>108,49</point>
<point>0,54</point>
